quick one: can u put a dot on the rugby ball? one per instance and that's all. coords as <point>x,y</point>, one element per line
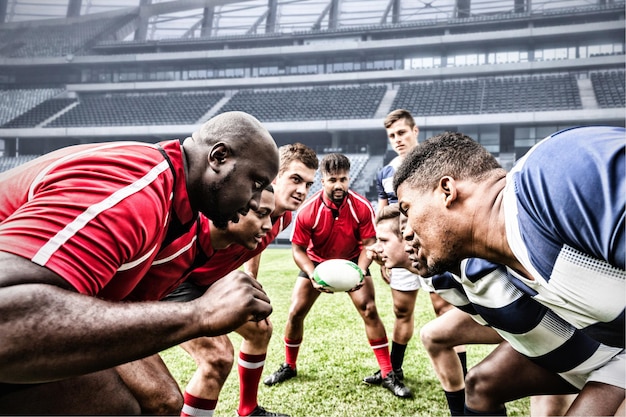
<point>338,275</point>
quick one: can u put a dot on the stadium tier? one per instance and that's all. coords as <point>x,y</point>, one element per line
<point>506,72</point>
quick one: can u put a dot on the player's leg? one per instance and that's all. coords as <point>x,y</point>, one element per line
<point>506,375</point>
<point>153,385</point>
<point>101,392</point>
<point>550,405</point>
<point>214,360</point>
<point>250,364</point>
<point>604,392</point>
<point>404,286</point>
<point>364,301</point>
<point>440,336</point>
<point>302,299</point>
<point>621,410</point>
<point>597,399</point>
<point>441,306</point>
<point>403,327</point>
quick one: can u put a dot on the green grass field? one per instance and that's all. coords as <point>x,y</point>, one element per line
<point>335,356</point>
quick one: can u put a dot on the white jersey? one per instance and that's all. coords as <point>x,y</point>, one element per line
<point>487,292</point>
<point>564,209</point>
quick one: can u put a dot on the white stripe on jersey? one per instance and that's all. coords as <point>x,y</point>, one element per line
<point>177,254</point>
<point>47,169</point>
<point>131,265</point>
<point>47,250</point>
<point>366,203</point>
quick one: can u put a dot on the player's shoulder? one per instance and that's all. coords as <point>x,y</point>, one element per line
<point>358,198</point>
<point>475,269</point>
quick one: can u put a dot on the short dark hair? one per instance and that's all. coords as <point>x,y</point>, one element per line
<point>399,114</point>
<point>334,162</point>
<point>449,153</point>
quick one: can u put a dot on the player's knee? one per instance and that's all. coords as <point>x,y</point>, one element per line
<point>427,337</point>
<point>216,366</point>
<point>403,312</point>
<point>168,402</point>
<point>368,311</point>
<point>261,335</point>
<point>172,403</point>
<point>478,384</point>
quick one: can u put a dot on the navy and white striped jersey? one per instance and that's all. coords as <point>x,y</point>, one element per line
<point>487,292</point>
<point>564,209</point>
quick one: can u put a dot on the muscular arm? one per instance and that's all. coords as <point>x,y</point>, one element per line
<point>50,332</point>
<point>302,259</point>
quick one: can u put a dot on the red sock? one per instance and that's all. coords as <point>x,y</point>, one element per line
<point>195,406</point>
<point>250,369</point>
<point>291,351</point>
<point>381,351</point>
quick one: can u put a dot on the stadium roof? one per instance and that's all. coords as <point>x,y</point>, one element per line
<point>183,18</point>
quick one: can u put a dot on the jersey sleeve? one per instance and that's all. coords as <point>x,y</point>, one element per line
<point>301,233</point>
<point>367,221</point>
<point>571,189</point>
<point>93,218</point>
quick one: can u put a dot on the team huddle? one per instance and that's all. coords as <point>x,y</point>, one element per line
<point>111,253</point>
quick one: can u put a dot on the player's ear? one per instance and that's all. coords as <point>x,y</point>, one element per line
<point>447,186</point>
<point>218,155</point>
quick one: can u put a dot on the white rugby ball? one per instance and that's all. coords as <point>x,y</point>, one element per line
<point>338,275</point>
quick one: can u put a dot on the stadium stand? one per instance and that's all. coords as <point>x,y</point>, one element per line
<point>15,102</point>
<point>608,87</point>
<point>55,40</point>
<point>507,73</point>
<point>320,103</point>
<point>40,113</point>
<point>490,95</point>
<point>123,109</point>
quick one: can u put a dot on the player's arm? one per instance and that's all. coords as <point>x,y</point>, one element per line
<point>305,264</point>
<point>302,259</point>
<point>364,260</point>
<point>251,266</point>
<point>382,202</point>
<point>50,332</point>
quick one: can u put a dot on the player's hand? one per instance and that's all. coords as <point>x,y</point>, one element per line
<point>231,302</point>
<point>319,287</point>
<point>373,253</point>
<point>356,287</point>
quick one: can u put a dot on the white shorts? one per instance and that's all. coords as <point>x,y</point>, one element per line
<point>403,280</point>
<point>613,373</point>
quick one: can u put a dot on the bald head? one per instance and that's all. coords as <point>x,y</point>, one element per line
<point>231,158</point>
<point>236,128</point>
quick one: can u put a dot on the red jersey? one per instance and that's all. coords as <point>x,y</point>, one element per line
<point>173,264</point>
<point>226,260</point>
<point>330,232</point>
<point>96,214</point>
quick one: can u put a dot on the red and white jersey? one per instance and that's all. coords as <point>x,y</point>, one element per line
<point>330,232</point>
<point>174,263</point>
<point>96,214</point>
<point>226,260</point>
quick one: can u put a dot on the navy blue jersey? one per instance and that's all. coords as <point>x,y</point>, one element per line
<point>384,181</point>
<point>488,292</point>
<point>564,210</point>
